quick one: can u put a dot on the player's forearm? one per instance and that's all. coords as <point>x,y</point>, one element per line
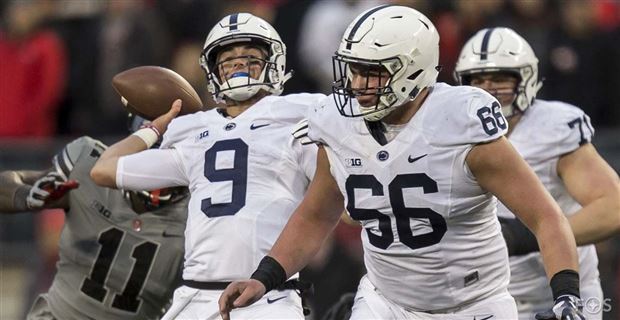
<point>597,221</point>
<point>13,192</point>
<point>556,242</point>
<point>301,240</point>
<point>104,171</point>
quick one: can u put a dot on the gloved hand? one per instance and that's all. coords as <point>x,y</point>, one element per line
<point>566,307</point>
<point>48,188</point>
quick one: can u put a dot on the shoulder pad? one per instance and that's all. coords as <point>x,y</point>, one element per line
<point>65,160</point>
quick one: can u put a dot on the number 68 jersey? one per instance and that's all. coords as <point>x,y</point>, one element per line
<point>431,238</point>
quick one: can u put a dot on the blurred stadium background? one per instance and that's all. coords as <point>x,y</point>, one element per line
<point>57,58</point>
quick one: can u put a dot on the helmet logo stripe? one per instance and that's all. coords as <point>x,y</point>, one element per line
<point>233,22</point>
<point>484,48</point>
<point>360,21</point>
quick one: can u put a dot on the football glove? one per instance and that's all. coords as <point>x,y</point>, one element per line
<point>342,309</point>
<point>47,189</point>
<point>566,307</point>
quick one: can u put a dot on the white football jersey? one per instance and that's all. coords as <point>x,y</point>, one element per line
<point>546,131</point>
<point>431,237</point>
<point>246,177</point>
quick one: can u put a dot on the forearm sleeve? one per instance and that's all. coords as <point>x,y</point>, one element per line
<point>150,170</point>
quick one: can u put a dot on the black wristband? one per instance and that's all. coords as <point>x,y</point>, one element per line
<point>270,273</point>
<point>519,239</point>
<point>19,198</point>
<point>565,282</point>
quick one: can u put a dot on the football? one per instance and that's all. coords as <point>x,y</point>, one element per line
<point>149,91</point>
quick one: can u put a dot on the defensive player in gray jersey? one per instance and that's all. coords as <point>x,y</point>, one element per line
<point>418,164</point>
<point>245,171</point>
<point>120,252</point>
<point>555,140</point>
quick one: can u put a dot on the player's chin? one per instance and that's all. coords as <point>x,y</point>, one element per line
<point>367,101</point>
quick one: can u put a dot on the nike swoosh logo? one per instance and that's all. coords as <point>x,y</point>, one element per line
<point>489,317</point>
<point>254,127</point>
<point>270,301</point>
<point>412,160</point>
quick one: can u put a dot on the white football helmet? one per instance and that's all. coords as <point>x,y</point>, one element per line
<point>501,50</point>
<point>397,39</point>
<point>244,28</point>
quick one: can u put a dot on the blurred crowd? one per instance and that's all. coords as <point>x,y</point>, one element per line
<point>57,59</point>
<point>58,56</point>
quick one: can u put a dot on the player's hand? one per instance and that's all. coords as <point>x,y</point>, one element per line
<point>162,122</point>
<point>48,189</point>
<point>567,307</point>
<point>240,294</point>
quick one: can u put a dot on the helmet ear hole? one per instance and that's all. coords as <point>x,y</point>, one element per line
<point>415,75</point>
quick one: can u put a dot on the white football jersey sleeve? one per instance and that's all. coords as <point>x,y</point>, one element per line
<point>246,177</point>
<point>546,131</point>
<point>431,237</point>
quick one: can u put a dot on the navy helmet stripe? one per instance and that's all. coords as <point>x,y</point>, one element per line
<point>361,20</point>
<point>485,44</point>
<point>233,21</point>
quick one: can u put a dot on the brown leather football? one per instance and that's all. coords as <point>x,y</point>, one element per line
<point>149,91</point>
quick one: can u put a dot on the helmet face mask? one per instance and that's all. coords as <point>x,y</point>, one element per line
<point>501,50</point>
<point>241,76</point>
<point>244,29</point>
<point>374,96</point>
<point>399,41</point>
<point>502,84</point>
<point>142,201</point>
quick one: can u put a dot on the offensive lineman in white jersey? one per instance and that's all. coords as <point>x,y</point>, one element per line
<point>417,163</point>
<point>554,138</point>
<point>245,171</point>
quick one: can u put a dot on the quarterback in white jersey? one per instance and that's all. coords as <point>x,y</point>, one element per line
<point>245,171</point>
<point>418,164</point>
<point>555,140</point>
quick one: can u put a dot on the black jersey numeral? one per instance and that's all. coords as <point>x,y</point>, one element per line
<point>581,122</point>
<point>143,254</point>
<point>402,214</point>
<point>492,118</point>
<point>237,175</point>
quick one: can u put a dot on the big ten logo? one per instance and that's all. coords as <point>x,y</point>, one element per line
<point>101,208</point>
<point>353,162</point>
<point>595,305</point>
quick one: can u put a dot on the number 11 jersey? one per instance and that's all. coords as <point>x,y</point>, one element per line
<point>431,238</point>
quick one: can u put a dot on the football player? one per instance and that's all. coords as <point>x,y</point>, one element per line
<point>555,140</point>
<point>121,252</point>
<point>245,171</point>
<point>418,163</point>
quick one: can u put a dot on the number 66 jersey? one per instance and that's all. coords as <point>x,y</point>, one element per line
<point>431,238</point>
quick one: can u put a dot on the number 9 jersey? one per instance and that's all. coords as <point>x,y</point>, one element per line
<point>431,238</point>
<point>246,176</point>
